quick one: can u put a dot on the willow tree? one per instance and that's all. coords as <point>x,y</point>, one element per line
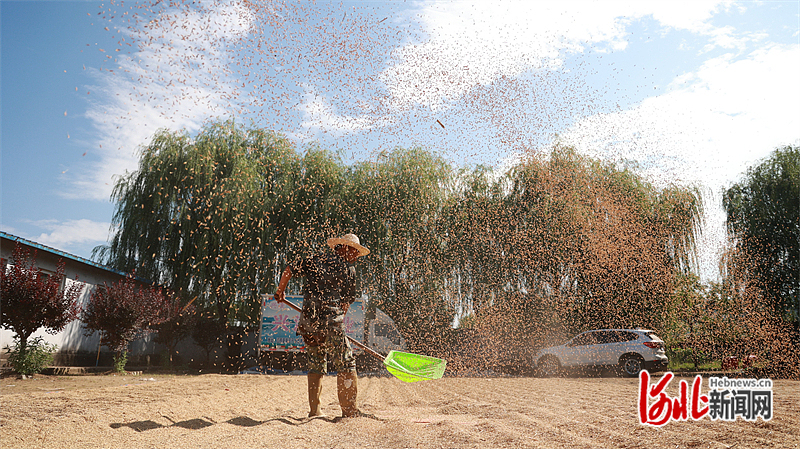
<point>474,263</point>
<point>202,216</point>
<point>394,204</point>
<point>764,227</point>
<point>578,243</point>
<point>314,208</point>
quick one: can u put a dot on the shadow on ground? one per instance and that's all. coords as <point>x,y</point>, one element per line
<point>241,421</point>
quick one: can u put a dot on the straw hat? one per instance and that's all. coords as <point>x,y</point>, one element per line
<point>350,240</point>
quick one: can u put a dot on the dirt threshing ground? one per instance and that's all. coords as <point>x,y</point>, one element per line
<point>250,411</point>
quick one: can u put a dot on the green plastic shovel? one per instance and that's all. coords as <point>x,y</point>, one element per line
<point>403,365</point>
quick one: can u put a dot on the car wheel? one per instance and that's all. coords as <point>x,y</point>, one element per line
<point>549,366</point>
<point>631,365</point>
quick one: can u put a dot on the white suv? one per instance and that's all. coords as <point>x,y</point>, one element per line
<point>630,350</point>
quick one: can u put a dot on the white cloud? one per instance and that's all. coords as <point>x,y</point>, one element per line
<point>476,43</point>
<point>319,113</point>
<point>690,15</point>
<point>711,124</point>
<point>176,80</point>
<point>64,234</point>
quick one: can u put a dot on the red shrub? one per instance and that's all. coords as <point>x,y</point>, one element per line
<point>123,312</point>
<point>30,300</point>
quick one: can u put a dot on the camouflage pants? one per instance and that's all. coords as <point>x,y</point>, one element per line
<point>335,351</point>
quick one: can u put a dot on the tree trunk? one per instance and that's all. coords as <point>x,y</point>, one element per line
<point>23,342</point>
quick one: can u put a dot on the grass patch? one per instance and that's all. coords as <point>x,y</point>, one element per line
<point>713,365</point>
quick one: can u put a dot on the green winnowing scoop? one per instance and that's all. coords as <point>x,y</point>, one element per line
<point>414,367</point>
<point>403,365</point>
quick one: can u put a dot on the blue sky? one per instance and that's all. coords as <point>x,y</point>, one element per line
<point>696,91</point>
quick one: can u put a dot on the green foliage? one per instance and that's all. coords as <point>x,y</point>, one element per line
<point>395,204</point>
<point>679,357</point>
<point>120,359</point>
<point>764,226</point>
<point>31,357</point>
<point>706,318</point>
<point>561,241</point>
<point>685,319</point>
<point>204,216</point>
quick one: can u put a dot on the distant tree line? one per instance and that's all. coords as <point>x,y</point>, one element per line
<point>561,241</point>
<point>558,244</point>
<point>753,311</point>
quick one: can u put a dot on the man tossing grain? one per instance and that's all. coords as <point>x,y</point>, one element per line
<point>329,291</point>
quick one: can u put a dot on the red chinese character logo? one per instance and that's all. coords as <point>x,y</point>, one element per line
<point>665,408</point>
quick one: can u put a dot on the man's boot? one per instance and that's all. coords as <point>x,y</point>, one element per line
<point>347,388</point>
<point>314,393</point>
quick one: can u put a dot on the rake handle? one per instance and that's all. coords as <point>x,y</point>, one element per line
<point>352,340</point>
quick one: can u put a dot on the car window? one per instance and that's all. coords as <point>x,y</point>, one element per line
<point>606,337</point>
<point>628,336</point>
<point>653,336</point>
<point>584,339</point>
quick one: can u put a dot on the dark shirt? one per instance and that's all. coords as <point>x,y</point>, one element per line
<point>330,285</point>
